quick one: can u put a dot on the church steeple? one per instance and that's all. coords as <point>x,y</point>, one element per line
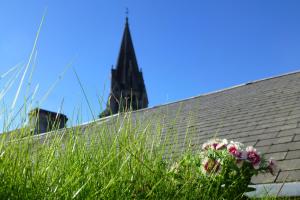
<point>127,60</point>
<point>127,90</point>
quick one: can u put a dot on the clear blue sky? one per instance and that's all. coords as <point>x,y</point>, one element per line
<point>185,48</point>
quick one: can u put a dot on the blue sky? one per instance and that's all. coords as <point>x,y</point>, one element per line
<point>185,48</point>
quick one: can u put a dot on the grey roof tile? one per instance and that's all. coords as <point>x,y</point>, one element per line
<point>297,138</point>
<point>288,176</point>
<point>277,140</point>
<point>263,178</point>
<point>255,137</point>
<point>293,154</point>
<point>285,165</point>
<point>284,147</point>
<point>289,132</point>
<point>276,156</point>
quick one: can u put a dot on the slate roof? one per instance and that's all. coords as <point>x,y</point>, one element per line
<point>264,113</point>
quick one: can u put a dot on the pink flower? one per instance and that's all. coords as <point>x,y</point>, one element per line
<point>210,144</point>
<point>205,146</point>
<point>234,150</point>
<point>272,166</point>
<point>222,144</point>
<point>216,144</point>
<point>210,165</point>
<point>253,157</point>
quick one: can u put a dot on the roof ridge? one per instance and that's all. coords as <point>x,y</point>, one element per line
<point>209,93</point>
<point>225,89</point>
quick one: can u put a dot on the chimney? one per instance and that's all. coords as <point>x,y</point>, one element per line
<point>41,121</point>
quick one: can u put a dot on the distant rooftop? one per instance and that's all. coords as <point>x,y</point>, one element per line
<point>46,112</point>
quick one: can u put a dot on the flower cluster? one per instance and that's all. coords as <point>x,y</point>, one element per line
<point>242,156</point>
<point>227,166</point>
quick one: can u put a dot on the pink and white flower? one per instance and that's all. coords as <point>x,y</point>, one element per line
<point>210,144</point>
<point>216,144</point>
<point>253,157</point>
<point>222,144</point>
<point>234,148</point>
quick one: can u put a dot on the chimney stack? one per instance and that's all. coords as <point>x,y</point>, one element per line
<point>41,121</point>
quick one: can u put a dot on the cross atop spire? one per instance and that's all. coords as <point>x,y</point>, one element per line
<point>127,13</point>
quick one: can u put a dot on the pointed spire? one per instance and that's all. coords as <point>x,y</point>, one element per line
<point>127,82</point>
<point>127,59</point>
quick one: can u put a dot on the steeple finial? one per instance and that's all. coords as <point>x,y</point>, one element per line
<point>127,13</point>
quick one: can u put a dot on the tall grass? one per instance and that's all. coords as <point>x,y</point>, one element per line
<point>122,157</point>
<point>118,160</point>
<point>98,161</point>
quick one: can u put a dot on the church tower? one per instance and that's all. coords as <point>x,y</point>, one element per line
<point>128,91</point>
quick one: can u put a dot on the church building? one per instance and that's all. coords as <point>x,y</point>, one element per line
<point>127,91</point>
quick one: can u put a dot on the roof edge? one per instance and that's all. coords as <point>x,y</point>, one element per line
<point>205,94</point>
<point>41,110</point>
<point>291,189</point>
<point>225,89</point>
